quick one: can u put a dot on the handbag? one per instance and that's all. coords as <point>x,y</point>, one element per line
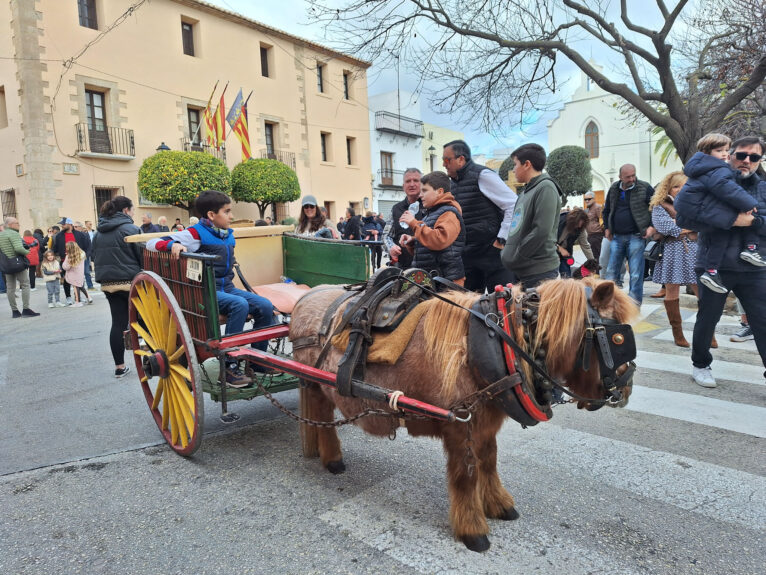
<point>653,250</point>
<point>13,265</point>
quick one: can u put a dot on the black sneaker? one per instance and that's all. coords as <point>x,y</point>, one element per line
<point>118,373</point>
<point>752,257</point>
<point>29,313</point>
<point>16,313</point>
<point>713,282</point>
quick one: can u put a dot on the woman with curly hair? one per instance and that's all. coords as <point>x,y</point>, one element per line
<point>676,268</point>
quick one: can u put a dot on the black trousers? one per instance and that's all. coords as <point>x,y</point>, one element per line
<point>750,288</point>
<point>485,271</point>
<point>118,306</point>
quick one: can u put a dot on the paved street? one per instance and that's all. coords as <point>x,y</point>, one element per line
<point>674,484</point>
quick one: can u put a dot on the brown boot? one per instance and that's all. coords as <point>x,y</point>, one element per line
<point>659,294</point>
<point>674,317</point>
<point>714,343</point>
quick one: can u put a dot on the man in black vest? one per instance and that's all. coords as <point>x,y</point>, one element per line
<point>399,257</point>
<point>627,224</point>
<point>487,204</point>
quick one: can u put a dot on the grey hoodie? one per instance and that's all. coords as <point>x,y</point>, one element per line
<point>531,245</point>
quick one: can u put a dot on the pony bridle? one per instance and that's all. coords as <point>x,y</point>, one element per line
<point>615,346</point>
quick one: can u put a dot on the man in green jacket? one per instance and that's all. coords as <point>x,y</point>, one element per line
<point>530,250</point>
<point>12,246</point>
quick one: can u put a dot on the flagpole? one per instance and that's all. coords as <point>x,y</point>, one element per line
<point>210,99</point>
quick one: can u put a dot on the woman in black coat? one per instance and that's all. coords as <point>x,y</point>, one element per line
<point>117,263</point>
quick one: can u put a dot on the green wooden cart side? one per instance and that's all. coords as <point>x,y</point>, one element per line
<point>315,261</point>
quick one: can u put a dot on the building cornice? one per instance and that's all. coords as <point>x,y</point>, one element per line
<point>255,25</point>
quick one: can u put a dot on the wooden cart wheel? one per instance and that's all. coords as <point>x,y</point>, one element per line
<point>166,362</point>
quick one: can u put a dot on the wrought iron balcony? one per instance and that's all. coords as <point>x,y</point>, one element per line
<point>287,158</point>
<point>117,142</point>
<point>390,179</point>
<point>188,145</point>
<point>396,124</point>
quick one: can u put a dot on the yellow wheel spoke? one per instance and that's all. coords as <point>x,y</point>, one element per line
<point>185,404</point>
<point>141,352</point>
<point>165,407</point>
<point>178,418</point>
<point>148,339</point>
<point>143,309</point>
<point>158,395</point>
<point>184,392</point>
<point>170,339</point>
<point>151,310</point>
<point>170,402</point>
<point>177,355</point>
<point>181,370</point>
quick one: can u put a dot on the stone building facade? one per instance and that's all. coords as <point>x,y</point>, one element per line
<point>95,86</point>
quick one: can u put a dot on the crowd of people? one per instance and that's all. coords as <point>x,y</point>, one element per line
<point>469,227</point>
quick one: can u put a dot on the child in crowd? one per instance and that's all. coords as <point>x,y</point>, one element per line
<point>213,235</point>
<point>52,277</point>
<point>74,266</point>
<point>438,240</point>
<point>712,186</point>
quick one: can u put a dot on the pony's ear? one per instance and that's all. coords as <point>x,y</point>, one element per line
<point>603,294</point>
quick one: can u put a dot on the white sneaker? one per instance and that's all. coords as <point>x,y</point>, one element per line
<point>51,305</point>
<point>703,376</point>
<point>69,301</point>
<point>59,304</point>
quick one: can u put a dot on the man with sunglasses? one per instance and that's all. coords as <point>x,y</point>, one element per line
<point>748,282</point>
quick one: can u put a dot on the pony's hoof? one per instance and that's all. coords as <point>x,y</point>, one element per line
<point>509,514</point>
<point>336,467</point>
<point>478,543</point>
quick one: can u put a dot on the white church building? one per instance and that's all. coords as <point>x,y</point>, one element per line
<point>593,118</point>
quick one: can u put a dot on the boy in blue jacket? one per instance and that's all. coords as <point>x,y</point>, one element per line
<point>712,186</point>
<point>212,235</point>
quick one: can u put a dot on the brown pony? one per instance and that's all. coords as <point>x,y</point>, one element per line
<point>435,368</point>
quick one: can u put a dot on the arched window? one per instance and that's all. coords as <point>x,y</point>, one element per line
<point>591,139</point>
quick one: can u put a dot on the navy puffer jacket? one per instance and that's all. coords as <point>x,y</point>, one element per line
<point>711,223</point>
<point>712,194</point>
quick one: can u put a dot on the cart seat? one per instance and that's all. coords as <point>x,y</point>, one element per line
<point>283,296</point>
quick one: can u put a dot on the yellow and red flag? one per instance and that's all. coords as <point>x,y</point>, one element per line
<point>220,122</point>
<point>237,119</point>
<point>209,125</point>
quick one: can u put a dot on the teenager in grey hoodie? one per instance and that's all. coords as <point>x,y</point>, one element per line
<point>530,250</point>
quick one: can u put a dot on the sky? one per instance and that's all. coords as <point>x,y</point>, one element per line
<point>292,17</point>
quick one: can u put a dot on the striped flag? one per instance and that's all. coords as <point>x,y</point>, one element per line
<point>210,126</point>
<point>220,123</point>
<point>237,119</point>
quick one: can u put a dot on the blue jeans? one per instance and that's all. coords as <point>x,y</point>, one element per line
<point>2,282</point>
<point>630,246</point>
<point>88,279</point>
<point>236,304</point>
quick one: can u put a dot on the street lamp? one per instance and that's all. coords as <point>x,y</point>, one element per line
<point>163,147</point>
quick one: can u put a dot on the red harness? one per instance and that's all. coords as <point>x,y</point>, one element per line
<point>529,405</point>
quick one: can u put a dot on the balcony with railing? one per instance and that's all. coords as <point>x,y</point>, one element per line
<point>188,145</point>
<point>390,179</point>
<point>110,142</point>
<point>396,124</point>
<point>287,158</point>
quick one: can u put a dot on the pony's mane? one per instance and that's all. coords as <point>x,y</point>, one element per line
<point>562,314</point>
<point>445,330</point>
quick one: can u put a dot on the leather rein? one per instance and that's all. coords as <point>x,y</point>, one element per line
<point>596,337</point>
